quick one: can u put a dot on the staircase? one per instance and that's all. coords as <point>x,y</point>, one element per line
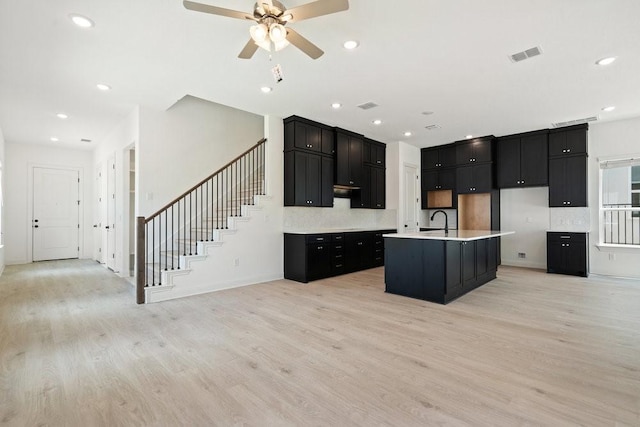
<point>190,245</point>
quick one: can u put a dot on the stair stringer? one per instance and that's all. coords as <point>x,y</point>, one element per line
<point>254,240</point>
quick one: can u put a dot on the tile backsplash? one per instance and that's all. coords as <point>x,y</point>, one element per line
<point>569,219</point>
<point>340,216</point>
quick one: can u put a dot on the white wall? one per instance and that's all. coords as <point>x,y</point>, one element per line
<point>609,140</point>
<point>185,144</point>
<point>2,206</point>
<point>525,211</point>
<point>20,159</point>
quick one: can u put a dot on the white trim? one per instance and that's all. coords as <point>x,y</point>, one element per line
<point>608,247</point>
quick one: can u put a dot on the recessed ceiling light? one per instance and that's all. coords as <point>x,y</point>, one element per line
<point>468,136</point>
<point>81,21</point>
<point>336,105</point>
<point>407,133</point>
<point>265,89</point>
<point>608,109</point>
<point>606,61</point>
<point>54,139</point>
<point>103,87</point>
<point>350,44</point>
<point>377,122</point>
<point>62,116</point>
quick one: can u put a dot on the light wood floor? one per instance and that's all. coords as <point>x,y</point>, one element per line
<point>526,349</point>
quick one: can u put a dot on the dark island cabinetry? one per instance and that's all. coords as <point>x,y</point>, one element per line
<point>438,270</point>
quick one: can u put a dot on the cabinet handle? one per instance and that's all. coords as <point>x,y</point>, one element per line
<point>338,256</point>
<point>568,150</point>
<point>569,203</point>
<point>339,247</point>
<point>359,243</point>
<point>338,265</point>
<point>522,182</point>
<point>564,151</point>
<point>517,182</point>
<point>350,182</point>
<point>379,161</point>
<point>565,237</point>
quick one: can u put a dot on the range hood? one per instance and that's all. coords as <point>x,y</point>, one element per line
<point>343,191</point>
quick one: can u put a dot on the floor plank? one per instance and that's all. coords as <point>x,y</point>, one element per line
<point>526,349</point>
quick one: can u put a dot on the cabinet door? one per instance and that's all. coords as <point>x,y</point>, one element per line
<point>430,180</point>
<point>508,162</point>
<point>554,255</point>
<point>308,137</point>
<point>534,160</point>
<point>378,190</point>
<point>312,180</point>
<point>342,159</point>
<point>483,178</point>
<point>492,254</point>
<point>464,154</point>
<point>367,156</point>
<point>557,182</point>
<point>430,158</point>
<point>355,160</point>
<point>361,198</point>
<point>482,151</point>
<point>328,141</point>
<point>326,185</point>
<point>447,179</point>
<point>453,271</point>
<point>447,155</point>
<point>468,264</point>
<point>482,257</point>
<point>300,179</point>
<point>378,154</point>
<point>576,181</point>
<point>318,261</point>
<point>464,179</point>
<point>567,142</point>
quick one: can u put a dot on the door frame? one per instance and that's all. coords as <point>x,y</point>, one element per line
<point>401,196</point>
<point>29,217</point>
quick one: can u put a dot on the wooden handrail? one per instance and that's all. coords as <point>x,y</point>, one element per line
<point>177,199</point>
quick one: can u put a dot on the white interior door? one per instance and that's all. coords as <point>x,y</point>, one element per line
<point>110,225</point>
<point>56,214</point>
<point>410,196</point>
<point>98,212</point>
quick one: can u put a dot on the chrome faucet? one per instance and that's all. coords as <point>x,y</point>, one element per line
<point>446,220</point>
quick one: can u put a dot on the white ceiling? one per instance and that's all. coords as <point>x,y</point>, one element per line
<point>449,57</point>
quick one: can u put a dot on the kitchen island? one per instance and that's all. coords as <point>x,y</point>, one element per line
<point>437,266</point>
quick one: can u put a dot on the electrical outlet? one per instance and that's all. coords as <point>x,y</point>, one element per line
<point>236,262</point>
<point>522,255</point>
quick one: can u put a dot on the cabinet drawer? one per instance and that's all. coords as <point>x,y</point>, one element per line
<point>317,238</point>
<point>337,237</point>
<point>567,237</point>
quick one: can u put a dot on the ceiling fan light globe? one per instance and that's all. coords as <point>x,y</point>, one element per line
<point>280,45</point>
<point>259,33</point>
<point>277,33</point>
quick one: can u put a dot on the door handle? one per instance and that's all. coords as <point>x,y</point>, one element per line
<point>107,227</point>
<point>35,226</point>
<point>35,220</point>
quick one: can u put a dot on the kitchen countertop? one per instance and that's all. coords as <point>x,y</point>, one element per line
<point>336,230</point>
<point>460,235</point>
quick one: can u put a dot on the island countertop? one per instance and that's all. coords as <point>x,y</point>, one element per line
<point>459,235</point>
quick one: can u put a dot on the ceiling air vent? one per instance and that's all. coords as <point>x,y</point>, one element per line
<point>575,122</point>
<point>432,127</point>
<point>368,105</point>
<point>525,54</point>
<point>85,140</point>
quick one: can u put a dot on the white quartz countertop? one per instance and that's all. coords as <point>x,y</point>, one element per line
<point>336,230</point>
<point>461,235</point>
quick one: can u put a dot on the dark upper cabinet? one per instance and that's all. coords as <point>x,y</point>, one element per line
<point>521,160</point>
<point>478,150</point>
<point>377,153</point>
<point>568,181</point>
<point>349,163</point>
<point>308,179</point>
<point>474,179</point>
<point>372,192</point>
<point>568,141</point>
<point>568,253</point>
<point>438,179</point>
<point>308,135</point>
<point>443,156</point>
<point>378,188</point>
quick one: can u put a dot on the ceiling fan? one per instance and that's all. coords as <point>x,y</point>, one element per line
<point>271,16</point>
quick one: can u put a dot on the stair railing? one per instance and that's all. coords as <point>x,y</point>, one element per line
<point>196,216</point>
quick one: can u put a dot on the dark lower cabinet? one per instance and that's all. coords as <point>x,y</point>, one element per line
<point>568,253</point>
<point>438,270</point>
<point>310,257</point>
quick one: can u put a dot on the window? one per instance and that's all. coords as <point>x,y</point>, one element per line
<point>620,198</point>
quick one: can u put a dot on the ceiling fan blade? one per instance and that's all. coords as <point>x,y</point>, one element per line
<point>316,8</point>
<point>303,44</point>
<point>249,49</point>
<point>206,8</point>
